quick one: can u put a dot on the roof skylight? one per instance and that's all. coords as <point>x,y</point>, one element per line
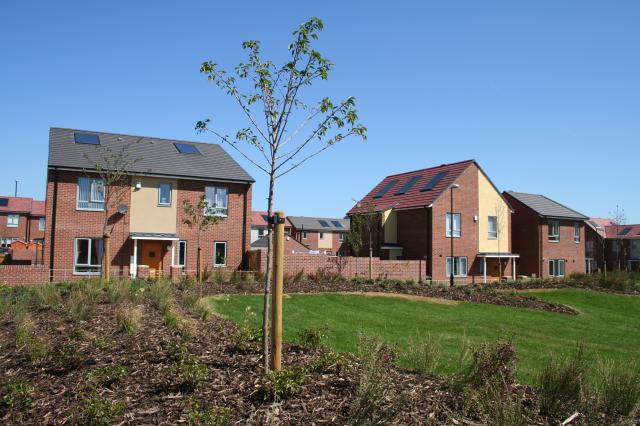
<point>185,148</point>
<point>86,139</point>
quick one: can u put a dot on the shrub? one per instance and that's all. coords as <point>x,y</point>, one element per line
<point>37,349</point>
<point>298,277</point>
<point>358,280</point>
<point>249,278</point>
<point>18,393</point>
<point>99,411</point>
<point>489,362</point>
<point>48,296</point>
<point>80,305</point>
<point>189,299</point>
<point>422,354</point>
<point>108,375</point>
<point>160,294</point>
<point>495,404</point>
<point>101,341</point>
<point>17,309</point>
<point>186,282</point>
<point>176,352</point>
<point>312,337</point>
<point>171,320</point>
<point>191,373</point>
<point>128,318</point>
<point>118,290</point>
<point>23,332</point>
<point>244,335</point>
<point>214,416</point>
<point>560,383</point>
<point>234,278</point>
<point>202,310</point>
<point>280,385</point>
<point>329,363</point>
<point>618,391</point>
<point>218,276</point>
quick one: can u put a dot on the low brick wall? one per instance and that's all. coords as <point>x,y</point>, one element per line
<point>23,274</point>
<point>348,267</point>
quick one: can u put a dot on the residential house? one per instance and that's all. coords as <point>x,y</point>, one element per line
<point>452,216</point>
<point>321,234</point>
<point>21,218</point>
<point>146,225</point>
<point>595,240</point>
<point>291,245</point>
<point>260,225</point>
<point>549,236</point>
<point>623,247</point>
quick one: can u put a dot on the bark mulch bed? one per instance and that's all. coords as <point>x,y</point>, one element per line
<point>472,293</point>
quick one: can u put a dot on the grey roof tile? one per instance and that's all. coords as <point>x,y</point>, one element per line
<point>545,206</point>
<point>313,223</point>
<point>158,156</point>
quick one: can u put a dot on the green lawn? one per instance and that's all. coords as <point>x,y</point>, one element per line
<point>609,325</point>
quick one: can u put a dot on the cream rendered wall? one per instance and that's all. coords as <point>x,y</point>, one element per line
<point>146,215</point>
<point>326,242</point>
<point>390,226</point>
<point>490,203</point>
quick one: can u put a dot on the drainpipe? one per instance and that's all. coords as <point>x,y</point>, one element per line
<point>52,236</point>
<point>540,259</point>
<point>244,228</point>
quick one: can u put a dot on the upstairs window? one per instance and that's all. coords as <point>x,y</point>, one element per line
<point>341,237</point>
<point>13,220</point>
<point>576,232</point>
<point>41,224</point>
<point>493,228</point>
<point>217,198</point>
<point>322,235</point>
<point>554,230</point>
<point>260,232</point>
<point>87,256</point>
<point>164,194</point>
<point>90,194</point>
<point>455,217</point>
<point>304,235</point>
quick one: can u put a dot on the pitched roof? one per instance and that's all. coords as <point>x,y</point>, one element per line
<point>157,155</point>
<point>623,231</point>
<point>410,189</point>
<point>291,245</point>
<point>22,205</point>
<point>37,208</point>
<point>259,218</point>
<point>599,225</point>
<point>546,207</point>
<point>303,223</point>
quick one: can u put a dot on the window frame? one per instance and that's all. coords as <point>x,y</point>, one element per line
<point>492,235</point>
<point>321,235</point>
<point>551,224</point>
<point>261,232</point>
<point>554,268</point>
<point>100,254</point>
<point>184,261</point>
<point>341,237</point>
<point>305,235</point>
<point>457,233</point>
<point>215,263</point>
<point>457,260</point>
<point>91,200</point>
<point>160,185</point>
<point>576,236</point>
<point>13,223</point>
<point>211,210</point>
<point>41,224</point>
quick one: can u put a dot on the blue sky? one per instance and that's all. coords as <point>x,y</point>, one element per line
<point>545,95</point>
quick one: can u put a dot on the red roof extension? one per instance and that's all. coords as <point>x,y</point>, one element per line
<point>17,205</point>
<point>258,218</point>
<point>614,231</point>
<point>413,197</point>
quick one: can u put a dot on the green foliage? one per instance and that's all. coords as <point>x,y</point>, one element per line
<point>489,362</point>
<point>108,375</point>
<point>186,282</point>
<point>234,278</point>
<point>102,341</point>
<point>281,385</point>
<point>191,373</point>
<point>218,276</point>
<point>18,393</point>
<point>99,411</point>
<point>560,383</point>
<point>245,335</point>
<point>422,354</point>
<point>313,337</point>
<point>329,363</point>
<point>171,320</point>
<point>47,296</point>
<point>160,294</point>
<point>80,305</point>
<point>118,290</point>
<point>495,404</point>
<point>176,352</point>
<point>358,280</point>
<point>214,416</point>
<point>23,332</point>
<point>618,390</point>
<point>202,310</point>
<point>128,318</point>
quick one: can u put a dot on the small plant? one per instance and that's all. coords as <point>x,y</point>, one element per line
<point>47,296</point>
<point>312,337</point>
<point>108,375</point>
<point>171,320</point>
<point>618,391</point>
<point>160,294</point>
<point>101,341</point>
<point>80,305</point>
<point>128,318</point>
<point>281,385</point>
<point>18,393</point>
<point>23,332</point>
<point>560,383</point>
<point>358,280</point>
<point>118,290</point>
<point>244,335</point>
<point>202,310</point>
<point>66,358</point>
<point>37,349</point>
<point>329,363</point>
<point>249,278</point>
<point>489,362</point>
<point>422,354</point>
<point>176,352</point>
<point>191,373</point>
<point>214,416</point>
<point>186,282</point>
<point>99,411</point>
<point>17,309</point>
<point>298,277</point>
<point>218,276</point>
<point>234,278</point>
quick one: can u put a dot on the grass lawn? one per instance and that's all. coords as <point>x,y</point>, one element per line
<point>609,325</point>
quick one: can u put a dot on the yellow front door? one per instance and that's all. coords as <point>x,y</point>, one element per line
<point>151,255</point>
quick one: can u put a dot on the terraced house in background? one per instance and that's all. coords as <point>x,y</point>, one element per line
<point>149,236</point>
<point>321,234</point>
<point>451,216</point>
<point>21,218</point>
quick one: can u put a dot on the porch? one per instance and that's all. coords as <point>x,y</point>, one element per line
<point>154,254</point>
<point>493,265</point>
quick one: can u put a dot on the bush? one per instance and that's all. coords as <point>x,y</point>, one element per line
<point>118,290</point>
<point>191,373</point>
<point>329,363</point>
<point>128,318</point>
<point>618,391</point>
<point>202,310</point>
<point>23,332</point>
<point>234,278</point>
<point>312,337</point>
<point>495,404</point>
<point>489,362</point>
<point>358,280</point>
<point>422,354</point>
<point>281,385</point>
<point>99,411</point>
<point>244,335</point>
<point>218,276</point>
<point>160,294</point>
<point>18,393</point>
<point>80,305</point>
<point>48,296</point>
<point>186,282</point>
<point>560,384</point>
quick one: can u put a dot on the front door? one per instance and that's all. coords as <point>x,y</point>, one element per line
<point>151,255</point>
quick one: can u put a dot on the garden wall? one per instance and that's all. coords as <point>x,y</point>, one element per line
<point>347,266</point>
<point>23,274</point>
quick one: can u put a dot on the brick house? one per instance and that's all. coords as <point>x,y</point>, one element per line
<point>418,223</point>
<point>549,236</point>
<point>148,234</point>
<point>259,225</point>
<point>622,247</point>
<point>21,218</point>
<point>595,240</point>
<point>325,235</point>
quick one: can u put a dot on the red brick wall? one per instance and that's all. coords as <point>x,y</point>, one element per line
<point>525,237</point>
<point>34,228</point>
<point>414,234</point>
<point>566,248</point>
<point>313,239</point>
<point>10,232</point>
<point>23,274</point>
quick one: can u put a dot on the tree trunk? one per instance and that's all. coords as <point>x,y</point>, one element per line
<point>370,261</point>
<point>107,256</point>
<point>198,263</point>
<point>267,277</point>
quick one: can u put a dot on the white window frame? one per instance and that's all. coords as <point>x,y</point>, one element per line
<point>553,225</point>
<point>341,237</point>
<point>554,267</point>
<point>41,224</point>
<point>97,266</point>
<point>93,182</point>
<point>6,242</point>
<point>13,220</point>
<point>261,232</point>
<point>184,263</point>
<point>160,185</point>
<point>457,260</point>
<point>492,234</point>
<point>457,232</point>
<point>576,232</point>
<point>212,209</point>
<point>304,235</point>
<point>215,263</point>
<point>321,235</point>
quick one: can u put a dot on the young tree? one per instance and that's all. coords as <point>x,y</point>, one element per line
<point>500,211</point>
<point>200,217</point>
<point>619,219</point>
<point>354,239</point>
<point>114,170</point>
<point>366,225</point>
<point>270,98</point>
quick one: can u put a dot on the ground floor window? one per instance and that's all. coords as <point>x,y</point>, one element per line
<point>87,256</point>
<point>182,253</point>
<point>220,253</point>
<point>6,242</point>
<point>459,266</point>
<point>556,267</point>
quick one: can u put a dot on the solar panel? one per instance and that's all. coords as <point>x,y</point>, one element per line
<point>386,188</point>
<point>185,148</point>
<point>86,139</point>
<point>407,186</point>
<point>595,224</point>
<point>4,202</point>
<point>336,224</point>
<point>324,223</point>
<point>434,181</point>
<point>625,231</point>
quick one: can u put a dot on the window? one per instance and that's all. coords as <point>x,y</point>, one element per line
<point>341,237</point>
<point>88,256</point>
<point>576,232</point>
<point>90,194</point>
<point>322,235</point>
<point>556,267</point>
<point>86,139</point>
<point>39,241</point>
<point>13,220</point>
<point>615,246</point>
<point>185,148</point>
<point>304,235</point>
<point>220,253</point>
<point>493,228</point>
<point>41,224</point>
<point>217,198</point>
<point>260,232</point>
<point>554,230</point>
<point>182,253</point>
<point>459,266</point>
<point>6,242</point>
<point>4,202</point>
<point>456,224</point>
<point>164,194</point>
